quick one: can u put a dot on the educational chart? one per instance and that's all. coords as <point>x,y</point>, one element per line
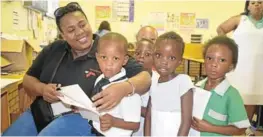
<point>187,20</point>
<point>157,20</point>
<point>173,21</point>
<point>102,13</point>
<point>202,23</point>
<point>123,11</point>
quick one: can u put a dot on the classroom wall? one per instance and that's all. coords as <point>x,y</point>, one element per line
<point>44,24</point>
<point>215,11</point>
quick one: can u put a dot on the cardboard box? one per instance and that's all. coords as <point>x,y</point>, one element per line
<point>19,53</point>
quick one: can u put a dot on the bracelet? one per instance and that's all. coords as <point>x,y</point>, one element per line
<point>133,88</point>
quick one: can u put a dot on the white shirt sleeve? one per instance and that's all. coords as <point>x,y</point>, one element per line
<point>131,108</point>
<point>185,84</point>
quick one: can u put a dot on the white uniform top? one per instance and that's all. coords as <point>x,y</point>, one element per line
<point>129,109</point>
<point>248,75</point>
<point>144,99</point>
<point>166,105</point>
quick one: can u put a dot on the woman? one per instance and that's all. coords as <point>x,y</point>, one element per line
<point>75,61</point>
<point>248,34</point>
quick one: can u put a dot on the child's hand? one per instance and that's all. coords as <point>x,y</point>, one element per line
<point>106,122</point>
<point>201,125</point>
<point>74,109</point>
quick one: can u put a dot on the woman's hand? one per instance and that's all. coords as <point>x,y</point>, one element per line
<point>111,96</point>
<point>50,93</point>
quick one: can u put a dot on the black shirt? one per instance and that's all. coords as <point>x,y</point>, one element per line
<point>83,70</point>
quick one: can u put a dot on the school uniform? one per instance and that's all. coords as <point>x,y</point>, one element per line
<point>129,109</point>
<point>166,105</point>
<point>225,107</point>
<point>144,100</point>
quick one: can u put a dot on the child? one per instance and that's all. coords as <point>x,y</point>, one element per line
<point>123,119</point>
<point>225,113</point>
<point>144,55</point>
<point>169,110</point>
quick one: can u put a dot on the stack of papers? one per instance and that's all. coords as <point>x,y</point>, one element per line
<point>73,95</point>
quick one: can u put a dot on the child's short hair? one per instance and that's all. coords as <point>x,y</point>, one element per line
<point>224,41</point>
<point>114,36</point>
<point>171,35</point>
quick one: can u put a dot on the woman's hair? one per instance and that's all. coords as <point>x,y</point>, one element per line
<point>224,41</point>
<point>246,11</point>
<point>69,8</point>
<point>104,25</point>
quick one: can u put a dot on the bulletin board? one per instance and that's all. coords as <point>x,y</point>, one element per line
<point>184,17</point>
<point>19,22</point>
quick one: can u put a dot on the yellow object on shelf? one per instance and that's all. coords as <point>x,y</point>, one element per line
<point>4,62</point>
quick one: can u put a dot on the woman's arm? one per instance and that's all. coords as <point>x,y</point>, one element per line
<point>112,95</point>
<point>36,88</point>
<point>186,113</point>
<point>147,121</point>
<point>32,85</point>
<point>204,126</point>
<point>141,83</point>
<point>228,25</point>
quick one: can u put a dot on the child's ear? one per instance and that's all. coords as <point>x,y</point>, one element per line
<point>231,67</point>
<point>96,54</point>
<point>180,61</point>
<point>126,58</point>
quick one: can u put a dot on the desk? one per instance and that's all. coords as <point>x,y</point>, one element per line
<point>13,99</point>
<point>9,100</point>
<point>193,52</point>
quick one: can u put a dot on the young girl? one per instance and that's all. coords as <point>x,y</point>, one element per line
<point>144,56</point>
<point>169,110</point>
<point>225,113</point>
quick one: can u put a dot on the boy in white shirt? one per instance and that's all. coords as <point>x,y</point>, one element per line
<point>123,119</point>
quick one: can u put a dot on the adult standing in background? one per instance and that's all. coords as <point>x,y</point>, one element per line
<point>147,32</point>
<point>67,62</point>
<point>248,34</point>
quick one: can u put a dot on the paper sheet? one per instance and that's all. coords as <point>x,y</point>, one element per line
<point>74,95</point>
<point>59,108</point>
<point>201,98</point>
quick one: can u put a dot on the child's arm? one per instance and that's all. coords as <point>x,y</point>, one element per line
<point>107,121</point>
<point>186,113</point>
<point>204,126</point>
<point>147,122</point>
<point>143,111</point>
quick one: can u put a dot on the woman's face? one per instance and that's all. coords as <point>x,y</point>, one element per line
<point>255,7</point>
<point>76,31</point>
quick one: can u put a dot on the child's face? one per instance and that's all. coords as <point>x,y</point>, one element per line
<point>168,56</point>
<point>144,54</point>
<point>218,61</point>
<point>111,57</point>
